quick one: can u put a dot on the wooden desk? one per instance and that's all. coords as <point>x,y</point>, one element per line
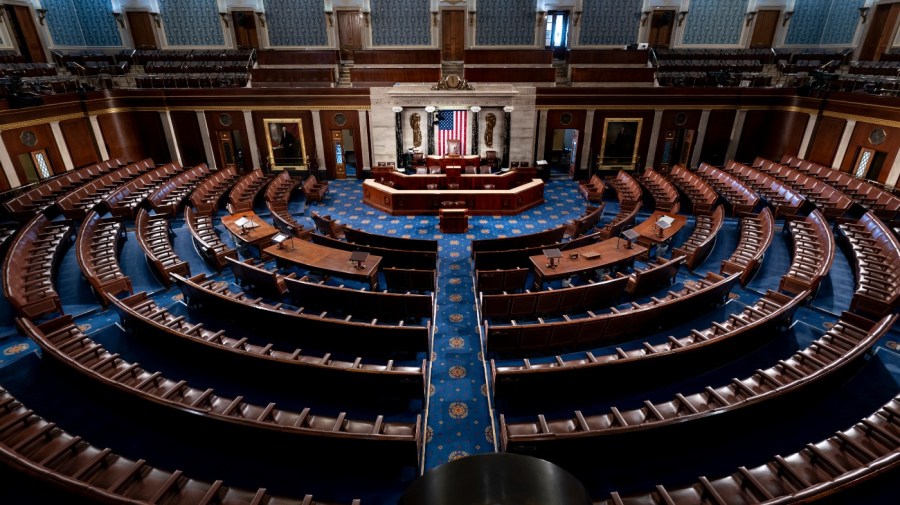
<point>397,201</point>
<point>611,252</point>
<point>651,233</point>
<point>454,220</point>
<point>444,162</point>
<point>325,259</point>
<point>258,236</point>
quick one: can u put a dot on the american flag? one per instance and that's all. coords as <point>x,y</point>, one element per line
<point>452,124</point>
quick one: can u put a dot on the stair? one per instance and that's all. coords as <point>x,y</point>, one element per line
<point>344,75</point>
<point>562,72</point>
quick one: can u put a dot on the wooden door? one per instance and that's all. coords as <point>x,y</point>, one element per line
<point>338,154</point>
<point>244,23</point>
<point>141,27</point>
<point>226,149</point>
<point>453,35</point>
<point>881,32</point>
<point>764,29</point>
<point>349,33</point>
<point>26,34</point>
<point>662,24</point>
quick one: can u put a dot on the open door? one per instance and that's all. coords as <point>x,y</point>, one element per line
<point>23,30</point>
<point>338,151</point>
<point>349,33</point>
<point>662,24</point>
<point>141,27</point>
<point>244,23</point>
<point>453,35</point>
<point>557,34</point>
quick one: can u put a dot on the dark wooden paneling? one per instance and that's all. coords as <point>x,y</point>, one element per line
<point>394,56</point>
<point>647,127</point>
<point>718,135</point>
<point>391,75</point>
<point>607,56</point>
<point>510,74</point>
<point>825,140</point>
<point>327,119</point>
<point>240,138</point>
<point>44,136</point>
<point>612,74</point>
<point>309,135</point>
<point>134,136</point>
<point>80,141</point>
<point>667,122</point>
<point>860,138</point>
<point>141,27</point>
<point>509,56</point>
<point>579,118</point>
<point>770,134</point>
<point>189,137</point>
<point>290,76</point>
<point>297,57</point>
<point>453,34</point>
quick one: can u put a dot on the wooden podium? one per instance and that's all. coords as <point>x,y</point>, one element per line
<point>454,220</point>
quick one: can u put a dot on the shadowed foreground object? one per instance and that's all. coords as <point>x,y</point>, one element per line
<point>496,479</point>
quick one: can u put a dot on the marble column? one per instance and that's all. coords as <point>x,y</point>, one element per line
<point>61,144</point>
<point>320,144</point>
<point>701,136</point>
<point>8,168</point>
<point>398,133</point>
<point>736,130</point>
<point>207,144</point>
<point>475,146</point>
<point>430,126</point>
<point>654,138</point>
<point>807,136</point>
<point>842,146</point>
<point>586,143</point>
<point>541,141</point>
<point>251,139</point>
<point>98,136</point>
<point>169,131</point>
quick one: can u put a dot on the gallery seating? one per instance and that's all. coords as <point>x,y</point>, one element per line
<point>206,238</point>
<point>524,380</point>
<point>244,192</point>
<point>697,247</point>
<point>740,198</point>
<point>702,196</point>
<point>155,239</point>
<point>593,330</point>
<point>876,262</point>
<point>97,247</point>
<point>664,193</point>
<point>205,198</point>
<point>371,336</point>
<point>593,189</point>
<point>141,315</point>
<point>63,341</point>
<point>29,263</point>
<point>813,253</point>
<point>313,190</point>
<point>629,195</point>
<point>757,231</point>
<point>569,438</point>
<point>34,446</point>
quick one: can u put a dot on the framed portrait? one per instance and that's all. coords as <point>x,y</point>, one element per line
<point>285,142</point>
<point>619,146</point>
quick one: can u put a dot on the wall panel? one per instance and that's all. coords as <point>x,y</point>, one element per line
<point>610,23</point>
<point>825,140</point>
<point>770,134</point>
<point>80,141</point>
<point>188,137</point>
<point>505,23</point>
<point>718,135</point>
<point>715,22</point>
<point>43,136</point>
<point>860,139</point>
<point>296,23</point>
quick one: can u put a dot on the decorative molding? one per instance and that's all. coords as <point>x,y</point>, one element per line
<point>261,16</point>
<point>224,16</point>
<point>36,122</point>
<point>749,17</point>
<point>42,13</point>
<point>644,17</point>
<point>681,16</point>
<point>863,13</point>
<point>119,18</point>
<point>156,19</point>
<point>454,83</point>
<point>787,17</point>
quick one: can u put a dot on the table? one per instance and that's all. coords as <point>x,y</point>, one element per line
<point>326,259</point>
<point>444,162</point>
<point>454,220</point>
<point>258,235</point>
<point>653,234</point>
<point>608,253</point>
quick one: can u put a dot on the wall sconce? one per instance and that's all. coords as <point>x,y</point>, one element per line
<point>644,17</point>
<point>472,18</point>
<point>261,16</point>
<point>508,108</point>
<point>156,19</point>
<point>540,18</point>
<point>434,18</point>
<point>787,17</point>
<point>366,17</point>
<point>328,15</point>
<point>224,16</point>
<point>42,13</point>
<point>577,17</point>
<point>118,16</point>
<point>750,16</point>
<point>863,13</point>
<point>681,16</point>
<point>476,109</point>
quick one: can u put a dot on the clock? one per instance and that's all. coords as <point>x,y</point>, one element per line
<point>28,138</point>
<point>877,136</point>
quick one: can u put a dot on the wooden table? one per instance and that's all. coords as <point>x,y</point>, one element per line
<point>454,220</point>
<point>653,234</point>
<point>608,253</point>
<point>259,235</point>
<point>325,259</point>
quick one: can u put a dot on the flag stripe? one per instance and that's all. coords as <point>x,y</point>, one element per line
<point>452,125</point>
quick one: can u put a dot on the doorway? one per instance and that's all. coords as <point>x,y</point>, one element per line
<point>678,146</point>
<point>231,152</point>
<point>662,24</point>
<point>867,163</point>
<point>340,154</point>
<point>557,33</point>
<point>562,153</point>
<point>27,38</point>
<point>36,166</point>
<point>764,29</point>
<point>244,23</point>
<point>881,32</point>
<point>349,33</point>
<point>453,35</point>
<point>141,28</point>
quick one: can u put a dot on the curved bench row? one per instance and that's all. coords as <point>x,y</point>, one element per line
<point>62,340</point>
<point>877,266</point>
<point>813,254</point>
<point>399,258</point>
<point>541,238</point>
<point>39,448</point>
<point>592,189</point>
<point>843,344</point>
<point>168,198</point>
<point>78,203</point>
<point>126,199</point>
<point>388,242</point>
<point>206,196</point>
<point>311,329</point>
<point>665,195</point>
<point>242,195</point>
<point>206,239</point>
<point>698,246</point>
<point>702,196</point>
<point>278,195</point>
<point>139,313</point>
<point>587,222</point>
<point>629,194</point>
<point>97,248</point>
<point>757,232</point>
<point>154,238</point>
<point>831,201</point>
<point>739,331</point>
<point>551,302</point>
<point>613,327</point>
<point>867,449</point>
<point>741,198</point>
<point>28,266</point>
<point>779,195</point>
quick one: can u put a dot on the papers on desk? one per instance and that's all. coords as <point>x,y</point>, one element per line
<point>665,222</point>
<point>246,223</point>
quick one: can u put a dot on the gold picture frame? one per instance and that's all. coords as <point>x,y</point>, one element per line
<point>284,139</point>
<point>620,143</point>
